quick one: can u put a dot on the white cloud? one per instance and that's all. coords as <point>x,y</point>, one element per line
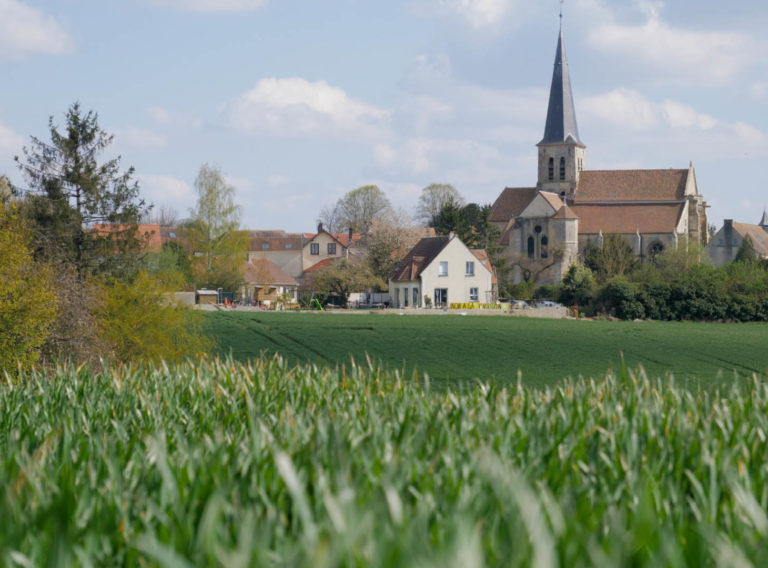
<point>626,108</point>
<point>428,155</point>
<point>140,138</point>
<point>26,31</point>
<point>481,13</point>
<point>10,141</point>
<point>681,55</point>
<point>213,5</point>
<point>167,117</point>
<point>277,180</point>
<point>295,106</point>
<point>167,190</point>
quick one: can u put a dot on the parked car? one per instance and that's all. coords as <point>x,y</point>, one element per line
<point>518,304</point>
<point>548,304</point>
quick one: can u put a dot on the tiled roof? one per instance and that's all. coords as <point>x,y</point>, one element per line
<point>511,203</point>
<point>625,218</point>
<point>148,234</point>
<point>419,258</point>
<point>322,264</point>
<point>756,233</point>
<point>277,241</point>
<point>482,256</point>
<point>553,199</point>
<point>565,212</point>
<point>264,271</point>
<point>631,185</point>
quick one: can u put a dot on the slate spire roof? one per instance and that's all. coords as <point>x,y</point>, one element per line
<point>561,124</point>
<point>764,221</point>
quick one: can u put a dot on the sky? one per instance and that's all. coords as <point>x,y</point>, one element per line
<point>300,101</point>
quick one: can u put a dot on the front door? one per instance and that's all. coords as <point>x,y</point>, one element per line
<point>441,297</point>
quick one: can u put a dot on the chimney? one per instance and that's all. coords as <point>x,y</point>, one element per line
<point>319,227</point>
<point>728,238</point>
<point>349,241</point>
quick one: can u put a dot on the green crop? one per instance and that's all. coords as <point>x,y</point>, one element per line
<point>227,464</point>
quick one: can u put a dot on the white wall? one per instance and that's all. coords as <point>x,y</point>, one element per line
<point>458,283</point>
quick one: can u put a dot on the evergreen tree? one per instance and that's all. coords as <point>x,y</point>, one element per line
<point>747,252</point>
<point>71,192</point>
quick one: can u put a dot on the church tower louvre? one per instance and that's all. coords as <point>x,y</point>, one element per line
<point>561,152</point>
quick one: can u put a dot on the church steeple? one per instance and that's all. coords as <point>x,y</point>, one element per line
<point>561,124</point>
<point>561,152</point>
<point>764,221</point>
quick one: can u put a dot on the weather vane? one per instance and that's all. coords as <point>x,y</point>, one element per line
<point>561,11</point>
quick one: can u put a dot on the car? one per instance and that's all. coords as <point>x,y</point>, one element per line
<point>518,304</point>
<point>548,304</point>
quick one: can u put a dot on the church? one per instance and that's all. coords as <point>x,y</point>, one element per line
<point>545,228</point>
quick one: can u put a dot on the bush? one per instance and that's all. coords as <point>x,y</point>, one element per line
<point>142,321</point>
<point>622,297</point>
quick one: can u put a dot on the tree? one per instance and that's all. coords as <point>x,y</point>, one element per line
<point>72,191</point>
<point>614,258</point>
<point>358,210</point>
<point>142,321</point>
<point>747,252</point>
<point>27,301</point>
<point>344,277</point>
<point>164,216</point>
<point>388,241</point>
<point>577,286</point>
<point>433,198</point>
<point>218,247</point>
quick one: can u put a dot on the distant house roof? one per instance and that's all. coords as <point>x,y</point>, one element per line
<point>326,262</point>
<point>757,235</point>
<point>511,203</point>
<point>264,271</point>
<point>482,256</point>
<point>275,241</point>
<point>625,218</point>
<point>418,258</point>
<point>631,185</point>
<point>147,233</point>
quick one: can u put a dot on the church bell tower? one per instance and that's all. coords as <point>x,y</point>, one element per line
<point>561,152</point>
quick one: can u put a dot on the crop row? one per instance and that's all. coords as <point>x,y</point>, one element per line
<point>221,463</point>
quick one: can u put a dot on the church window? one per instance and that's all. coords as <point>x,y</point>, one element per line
<point>656,249</point>
<point>581,164</point>
<point>544,243</point>
<point>551,168</point>
<point>537,229</point>
<point>562,168</point>
<point>531,247</point>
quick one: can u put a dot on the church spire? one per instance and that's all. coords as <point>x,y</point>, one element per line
<point>561,124</point>
<point>764,221</point>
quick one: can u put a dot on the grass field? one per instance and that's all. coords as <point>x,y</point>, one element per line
<point>459,348</point>
<point>221,464</point>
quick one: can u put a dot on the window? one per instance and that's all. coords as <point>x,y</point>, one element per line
<point>288,245</point>
<point>581,164</point>
<point>473,295</point>
<point>443,269</point>
<point>470,268</point>
<point>314,248</point>
<point>656,249</point>
<point>332,248</point>
<point>415,297</point>
<point>551,173</point>
<point>265,245</point>
<point>441,297</point>
<point>544,243</point>
<point>531,247</point>
<point>405,297</point>
<point>172,235</point>
<point>562,168</point>
<point>397,297</point>
<point>720,242</point>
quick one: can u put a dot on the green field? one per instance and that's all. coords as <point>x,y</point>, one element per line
<point>222,464</point>
<point>460,348</point>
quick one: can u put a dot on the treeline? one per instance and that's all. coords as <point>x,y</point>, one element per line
<point>76,280</point>
<point>679,284</point>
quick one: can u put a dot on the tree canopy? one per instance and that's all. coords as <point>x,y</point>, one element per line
<point>71,191</point>
<point>219,248</point>
<point>358,210</point>
<point>433,198</point>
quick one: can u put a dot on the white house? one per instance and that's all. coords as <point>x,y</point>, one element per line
<point>443,270</point>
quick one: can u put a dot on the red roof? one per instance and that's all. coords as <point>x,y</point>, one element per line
<point>511,203</point>
<point>626,218</point>
<point>322,264</point>
<point>264,271</point>
<point>148,234</point>
<point>631,185</point>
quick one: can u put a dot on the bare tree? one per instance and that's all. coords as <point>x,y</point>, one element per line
<point>432,200</point>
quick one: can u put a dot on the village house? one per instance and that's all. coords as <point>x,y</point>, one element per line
<point>439,271</point>
<point>267,284</point>
<point>725,244</point>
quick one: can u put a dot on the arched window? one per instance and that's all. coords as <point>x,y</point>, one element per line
<point>544,242</point>
<point>562,168</point>
<point>655,249</point>
<point>531,247</point>
<point>551,168</point>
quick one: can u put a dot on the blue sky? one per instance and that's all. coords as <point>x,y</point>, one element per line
<point>300,101</point>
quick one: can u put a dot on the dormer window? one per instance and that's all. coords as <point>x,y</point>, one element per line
<point>551,169</point>
<point>562,168</point>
